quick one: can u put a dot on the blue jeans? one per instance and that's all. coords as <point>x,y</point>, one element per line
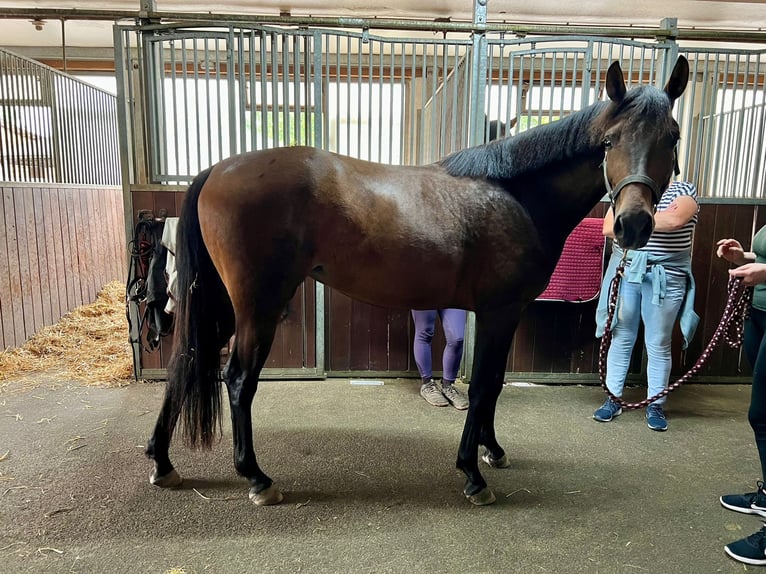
<point>636,305</point>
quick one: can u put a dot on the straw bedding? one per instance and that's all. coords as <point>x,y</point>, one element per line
<point>88,345</point>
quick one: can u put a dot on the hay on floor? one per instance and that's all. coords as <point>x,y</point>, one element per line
<point>89,344</point>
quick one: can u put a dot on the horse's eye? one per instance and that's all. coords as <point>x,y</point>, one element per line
<point>607,143</point>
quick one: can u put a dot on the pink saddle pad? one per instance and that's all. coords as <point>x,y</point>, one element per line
<point>577,277</point>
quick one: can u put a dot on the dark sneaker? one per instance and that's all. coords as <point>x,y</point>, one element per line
<point>455,396</point>
<point>750,550</point>
<point>655,418</point>
<point>750,503</point>
<point>431,392</point>
<point>607,411</point>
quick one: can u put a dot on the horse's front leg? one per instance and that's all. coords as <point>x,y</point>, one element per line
<point>494,333</point>
<point>241,376</point>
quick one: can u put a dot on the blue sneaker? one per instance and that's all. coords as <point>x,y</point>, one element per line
<point>655,418</point>
<point>607,411</point>
<point>750,550</point>
<point>750,503</point>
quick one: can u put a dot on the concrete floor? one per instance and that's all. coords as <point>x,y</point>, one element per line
<point>370,486</point>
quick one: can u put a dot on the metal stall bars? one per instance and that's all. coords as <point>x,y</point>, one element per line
<point>54,128</point>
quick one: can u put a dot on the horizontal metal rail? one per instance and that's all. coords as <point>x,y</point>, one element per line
<point>438,25</point>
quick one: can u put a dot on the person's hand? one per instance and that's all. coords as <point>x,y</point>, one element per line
<point>751,273</point>
<point>731,250</point>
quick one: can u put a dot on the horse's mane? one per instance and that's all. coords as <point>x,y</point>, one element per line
<point>564,139</point>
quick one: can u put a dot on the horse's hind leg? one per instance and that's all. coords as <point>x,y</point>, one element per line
<point>251,348</point>
<point>494,333</point>
<point>163,475</point>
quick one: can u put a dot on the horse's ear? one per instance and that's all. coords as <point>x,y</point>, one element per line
<point>615,84</point>
<point>678,79</point>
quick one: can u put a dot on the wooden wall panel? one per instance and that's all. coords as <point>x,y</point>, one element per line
<point>15,311</point>
<point>55,253</point>
<point>6,308</point>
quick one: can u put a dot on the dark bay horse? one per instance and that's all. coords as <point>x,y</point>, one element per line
<point>480,230</point>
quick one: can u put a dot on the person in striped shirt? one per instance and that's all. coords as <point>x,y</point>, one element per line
<point>658,289</point>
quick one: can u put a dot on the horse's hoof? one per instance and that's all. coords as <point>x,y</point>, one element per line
<point>267,496</point>
<point>481,498</point>
<point>502,462</point>
<point>170,480</point>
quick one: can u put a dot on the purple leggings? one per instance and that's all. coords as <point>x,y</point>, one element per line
<point>453,322</point>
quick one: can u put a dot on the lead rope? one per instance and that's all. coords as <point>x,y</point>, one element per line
<point>730,328</point>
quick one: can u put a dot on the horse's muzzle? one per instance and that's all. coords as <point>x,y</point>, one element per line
<point>633,229</point>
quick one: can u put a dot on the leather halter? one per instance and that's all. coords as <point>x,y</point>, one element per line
<point>634,178</point>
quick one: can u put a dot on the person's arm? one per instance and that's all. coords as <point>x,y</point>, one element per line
<point>607,227</point>
<point>750,273</point>
<point>731,250</point>
<point>680,212</point>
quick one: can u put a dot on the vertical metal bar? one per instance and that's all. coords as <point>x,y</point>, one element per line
<point>241,74</point>
<point>381,99</point>
<point>738,172</point>
<point>174,96</point>
<point>220,103</point>
<point>391,88</point>
<point>368,99</point>
<point>512,109</point>
<point>759,111</point>
<point>422,157</point>
<point>275,91</point>
<point>264,79</point>
<point>359,111</point>
<point>186,111</point>
<point>435,128</point>
<point>478,85</point>
<point>160,116</point>
<point>720,114</point>
<point>317,105</point>
<point>745,174</point>
<point>206,77</point>
<point>455,111</point>
<point>14,127</point>
<point>286,96</point>
<point>442,132</point>
<point>297,91</point>
<point>198,105</point>
<point>253,103</point>
<point>5,149</point>
<point>405,136</point>
<point>521,94</point>
<point>33,151</point>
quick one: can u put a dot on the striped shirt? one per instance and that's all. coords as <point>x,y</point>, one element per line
<point>679,239</point>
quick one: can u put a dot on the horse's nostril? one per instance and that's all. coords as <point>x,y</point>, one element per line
<point>618,228</point>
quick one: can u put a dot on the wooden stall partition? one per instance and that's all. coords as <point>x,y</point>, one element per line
<point>59,245</point>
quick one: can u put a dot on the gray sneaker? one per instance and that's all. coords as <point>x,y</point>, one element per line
<point>455,396</point>
<point>431,392</point>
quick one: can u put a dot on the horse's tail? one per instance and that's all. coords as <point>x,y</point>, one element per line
<point>203,322</point>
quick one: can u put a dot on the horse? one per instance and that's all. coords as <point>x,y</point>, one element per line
<point>481,229</point>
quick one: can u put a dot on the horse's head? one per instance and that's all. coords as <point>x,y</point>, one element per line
<point>639,137</point>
